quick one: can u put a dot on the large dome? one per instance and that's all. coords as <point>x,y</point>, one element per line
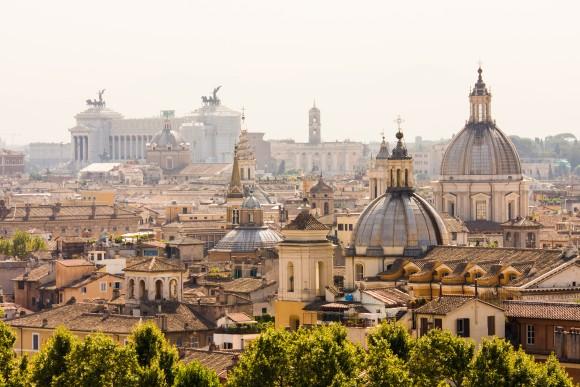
<point>480,149</point>
<point>249,239</point>
<point>398,223</point>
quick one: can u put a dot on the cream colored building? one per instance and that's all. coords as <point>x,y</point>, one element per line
<point>466,317</point>
<point>481,175</point>
<point>305,270</point>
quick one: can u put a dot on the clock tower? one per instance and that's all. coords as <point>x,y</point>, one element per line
<point>314,125</point>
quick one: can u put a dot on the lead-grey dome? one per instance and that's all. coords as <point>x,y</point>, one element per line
<point>251,203</point>
<point>167,138</point>
<point>480,149</point>
<point>249,239</point>
<point>398,223</point>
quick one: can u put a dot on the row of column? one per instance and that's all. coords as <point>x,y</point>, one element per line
<point>81,147</point>
<point>130,147</point>
<point>324,162</point>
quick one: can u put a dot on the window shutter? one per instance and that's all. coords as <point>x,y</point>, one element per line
<point>459,328</point>
<point>490,325</point>
<point>466,327</point>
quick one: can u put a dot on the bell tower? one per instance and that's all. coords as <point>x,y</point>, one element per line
<point>400,164</point>
<point>314,125</point>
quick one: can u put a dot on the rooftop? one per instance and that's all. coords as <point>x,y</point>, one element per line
<point>549,310</point>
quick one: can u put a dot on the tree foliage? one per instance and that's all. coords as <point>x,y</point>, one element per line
<point>22,244</point>
<point>50,363</point>
<point>439,355</point>
<point>195,375</point>
<point>395,336</point>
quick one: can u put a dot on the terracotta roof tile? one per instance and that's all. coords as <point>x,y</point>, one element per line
<point>305,221</point>
<point>154,264</point>
<point>220,362</point>
<point>568,311</point>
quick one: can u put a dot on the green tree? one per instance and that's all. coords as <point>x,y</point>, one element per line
<point>396,336</point>
<point>7,357</point>
<point>323,357</point>
<point>20,376</point>
<point>554,375</point>
<point>20,243</point>
<point>152,376</point>
<point>383,368</point>
<point>153,350</point>
<point>99,361</point>
<point>266,362</point>
<point>195,375</point>
<point>439,356</point>
<point>50,363</point>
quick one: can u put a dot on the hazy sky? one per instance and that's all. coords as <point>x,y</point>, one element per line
<point>363,62</point>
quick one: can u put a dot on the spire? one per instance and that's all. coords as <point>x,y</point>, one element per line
<point>384,150</point>
<point>400,150</point>
<point>235,188</point>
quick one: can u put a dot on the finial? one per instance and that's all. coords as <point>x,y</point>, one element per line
<point>399,121</point>
<point>479,71</point>
<point>383,135</point>
<point>243,114</point>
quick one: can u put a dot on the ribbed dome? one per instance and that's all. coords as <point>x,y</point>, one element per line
<point>251,202</point>
<point>249,239</point>
<point>167,138</point>
<point>480,149</point>
<point>398,223</point>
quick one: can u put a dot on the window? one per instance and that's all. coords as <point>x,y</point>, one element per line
<point>359,272</point>
<point>490,325</point>
<point>423,326</point>
<point>350,227</point>
<point>463,327</point>
<point>453,236</point>
<point>236,216</point>
<point>290,276</point>
<point>117,285</point>
<point>35,341</point>
<point>103,286</point>
<point>530,335</point>
<point>438,323</point>
<point>84,290</point>
<point>20,284</point>
<point>340,227</point>
<point>228,345</point>
<point>510,211</point>
<point>480,210</point>
<point>264,311</point>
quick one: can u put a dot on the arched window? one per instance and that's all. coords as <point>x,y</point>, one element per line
<point>251,217</point>
<point>398,177</point>
<point>242,173</point>
<point>510,210</point>
<point>290,277</point>
<point>249,174</point>
<point>406,177</point>
<point>326,208</point>
<point>131,288</point>
<point>359,272</point>
<point>158,290</point>
<point>235,216</point>
<point>392,179</point>
<point>173,289</point>
<point>142,290</point>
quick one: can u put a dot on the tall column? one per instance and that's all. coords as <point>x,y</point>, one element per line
<point>115,148</point>
<point>86,148</point>
<point>76,147</point>
<point>127,148</point>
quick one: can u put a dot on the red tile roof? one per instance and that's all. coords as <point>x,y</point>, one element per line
<point>549,310</point>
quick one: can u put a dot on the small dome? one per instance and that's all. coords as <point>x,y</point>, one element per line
<point>251,202</point>
<point>167,138</point>
<point>480,149</point>
<point>321,187</point>
<point>398,223</point>
<point>384,151</point>
<point>249,239</point>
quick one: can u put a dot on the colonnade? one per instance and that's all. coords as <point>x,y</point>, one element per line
<point>128,147</point>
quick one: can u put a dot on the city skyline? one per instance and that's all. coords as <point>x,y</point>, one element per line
<point>363,66</point>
